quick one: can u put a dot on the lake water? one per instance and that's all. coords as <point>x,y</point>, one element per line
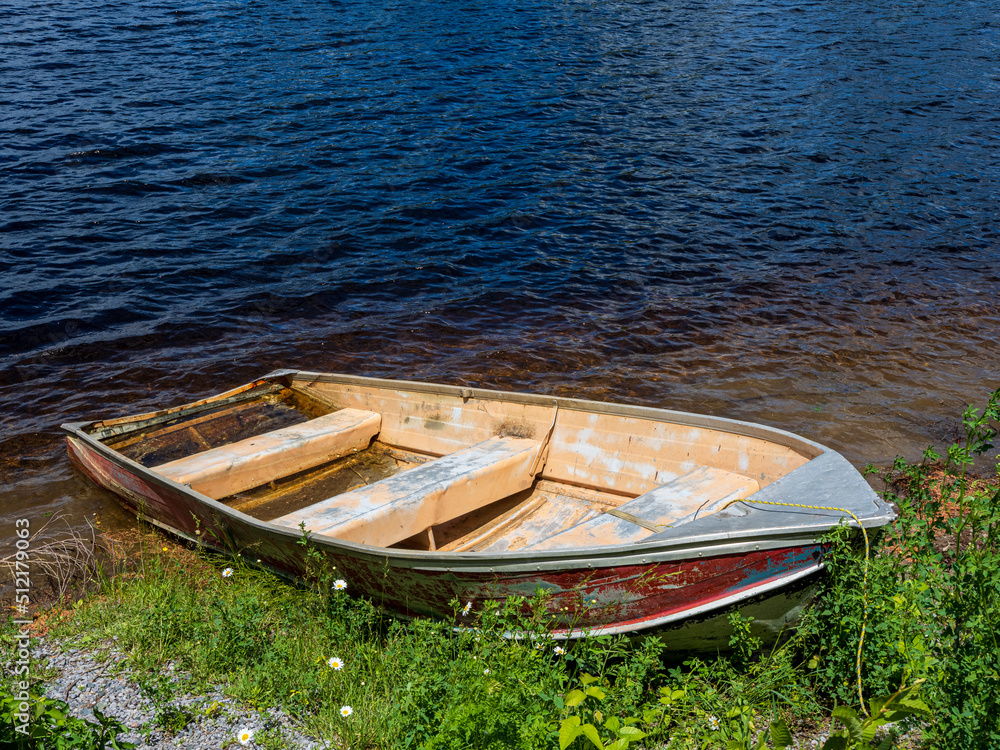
<point>778,211</point>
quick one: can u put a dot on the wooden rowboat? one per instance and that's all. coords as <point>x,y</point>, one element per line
<point>421,495</point>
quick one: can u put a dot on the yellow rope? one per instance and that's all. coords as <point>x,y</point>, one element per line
<point>864,581</point>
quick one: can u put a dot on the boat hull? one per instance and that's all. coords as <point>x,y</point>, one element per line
<point>679,591</point>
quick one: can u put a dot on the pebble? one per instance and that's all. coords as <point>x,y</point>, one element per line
<point>89,679</point>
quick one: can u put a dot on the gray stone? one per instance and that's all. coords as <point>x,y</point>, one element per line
<point>118,697</point>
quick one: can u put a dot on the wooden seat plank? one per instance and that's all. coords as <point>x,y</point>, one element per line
<point>440,490</point>
<point>699,492</point>
<point>248,463</point>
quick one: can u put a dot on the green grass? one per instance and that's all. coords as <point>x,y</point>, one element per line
<point>933,612</point>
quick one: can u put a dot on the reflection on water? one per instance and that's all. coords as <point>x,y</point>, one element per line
<point>783,212</point>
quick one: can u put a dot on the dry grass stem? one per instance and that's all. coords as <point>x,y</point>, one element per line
<point>70,558</point>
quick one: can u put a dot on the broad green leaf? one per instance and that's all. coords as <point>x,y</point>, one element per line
<point>632,733</point>
<point>887,743</point>
<point>849,718</point>
<point>618,744</point>
<point>613,724</point>
<point>837,742</point>
<point>569,731</point>
<point>575,698</point>
<point>914,705</point>
<point>780,735</point>
<point>868,732</point>
<point>595,691</point>
<point>590,732</point>
<point>587,679</point>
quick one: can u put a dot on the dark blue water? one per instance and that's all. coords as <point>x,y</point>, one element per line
<point>772,210</point>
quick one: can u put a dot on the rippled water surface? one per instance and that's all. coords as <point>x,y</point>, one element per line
<point>784,212</point>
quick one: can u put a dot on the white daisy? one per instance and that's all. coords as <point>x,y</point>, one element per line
<point>228,572</point>
<point>559,650</point>
<point>245,736</point>
<point>346,711</point>
<point>714,723</point>
<point>335,663</point>
<point>466,609</point>
<point>339,585</point>
<point>486,671</point>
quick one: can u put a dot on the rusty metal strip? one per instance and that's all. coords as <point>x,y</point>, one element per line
<point>159,433</point>
<point>544,447</point>
<point>654,527</point>
<point>598,498</point>
<point>405,456</point>
<point>106,429</point>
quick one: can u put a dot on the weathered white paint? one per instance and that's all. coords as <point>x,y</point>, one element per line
<point>699,492</point>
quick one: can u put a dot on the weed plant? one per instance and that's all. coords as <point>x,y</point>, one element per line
<point>934,594</point>
<point>51,726</point>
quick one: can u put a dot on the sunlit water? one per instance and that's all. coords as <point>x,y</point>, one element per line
<point>783,212</point>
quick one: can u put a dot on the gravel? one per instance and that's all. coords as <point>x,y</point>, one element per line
<point>87,680</point>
